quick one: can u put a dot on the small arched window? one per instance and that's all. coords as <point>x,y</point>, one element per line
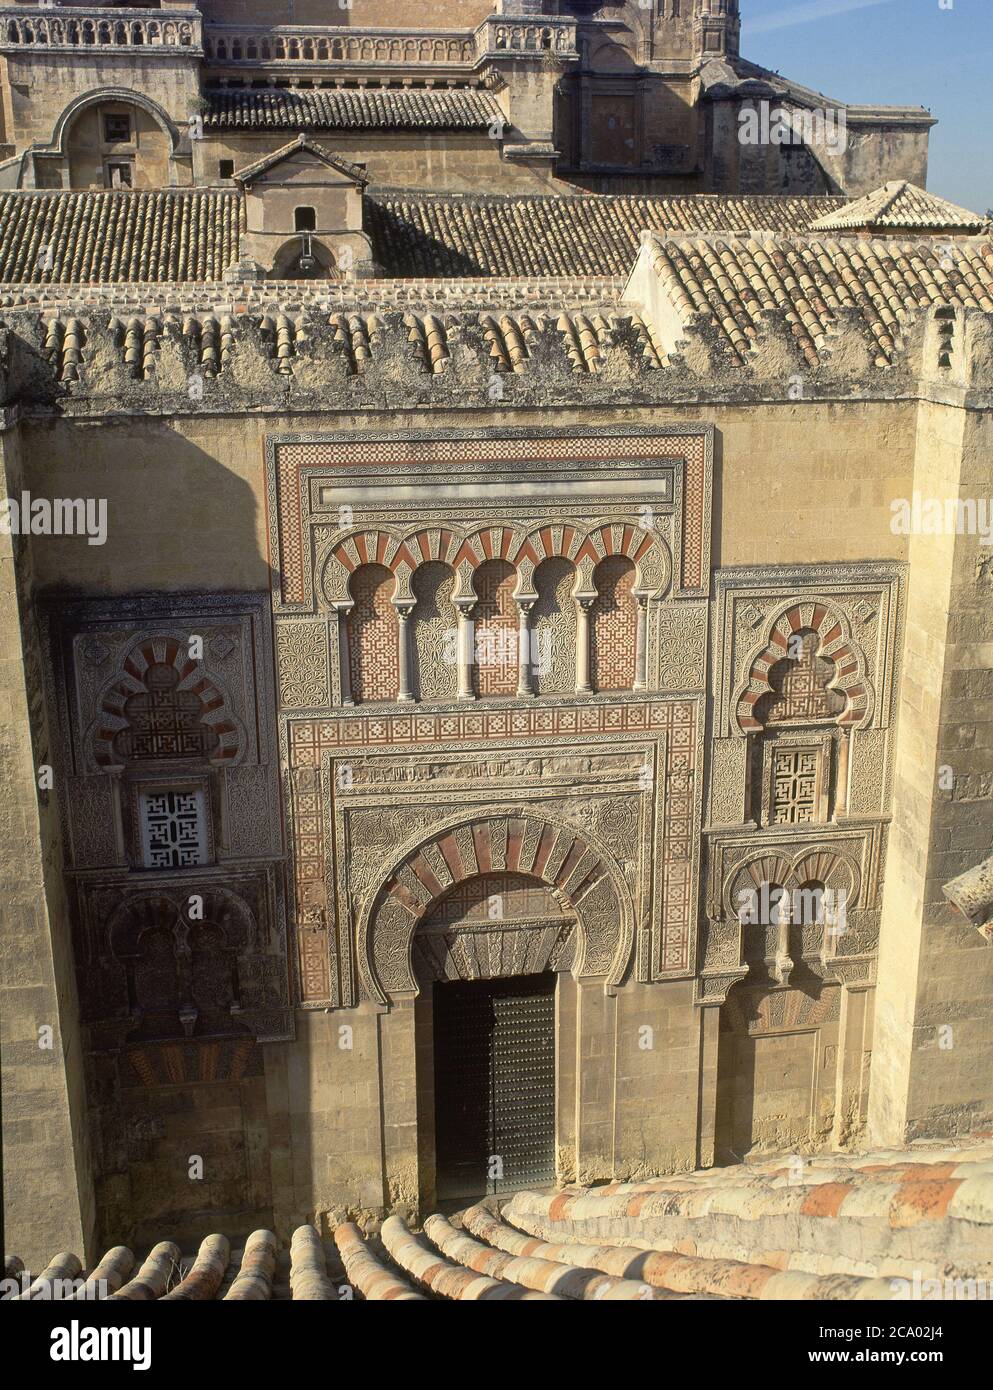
<point>304,220</point>
<point>614,625</point>
<point>435,629</point>
<point>496,630</point>
<point>372,636</point>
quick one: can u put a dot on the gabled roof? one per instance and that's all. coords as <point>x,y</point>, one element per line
<point>900,206</point>
<point>370,108</point>
<point>734,282</point>
<point>251,172</point>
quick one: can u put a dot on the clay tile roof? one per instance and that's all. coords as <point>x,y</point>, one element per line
<point>621,1241</point>
<point>900,206</point>
<point>334,161</point>
<point>372,108</point>
<point>115,237</point>
<point>812,281</point>
<point>418,235</point>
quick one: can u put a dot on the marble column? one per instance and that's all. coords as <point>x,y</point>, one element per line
<point>641,644</point>
<point>403,641</point>
<point>524,682</point>
<point>466,654</point>
<point>841,781</point>
<point>344,663</point>
<point>583,606</point>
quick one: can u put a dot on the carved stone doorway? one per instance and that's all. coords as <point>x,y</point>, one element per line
<point>494,1076</point>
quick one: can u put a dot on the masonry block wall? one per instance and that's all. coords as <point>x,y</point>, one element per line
<point>931,1067</point>
<point>48,1175</point>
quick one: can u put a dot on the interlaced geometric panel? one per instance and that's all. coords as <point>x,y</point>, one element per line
<point>496,621</point>
<point>435,628</point>
<point>614,625</point>
<point>553,629</point>
<point>173,829</point>
<point>799,682</point>
<point>795,793</point>
<point>373,650</point>
<point>163,722</point>
<point>494,897</point>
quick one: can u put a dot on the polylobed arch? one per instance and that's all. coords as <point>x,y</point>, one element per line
<point>165,650</point>
<point>834,643</point>
<point>573,865</point>
<point>823,864</point>
<point>467,553</point>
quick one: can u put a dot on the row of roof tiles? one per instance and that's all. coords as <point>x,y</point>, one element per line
<point>184,235</point>
<point>192,235</point>
<point>107,237</point>
<point>834,1227</point>
<point>370,108</point>
<point>508,341</point>
<point>733,283</point>
<point>547,235</point>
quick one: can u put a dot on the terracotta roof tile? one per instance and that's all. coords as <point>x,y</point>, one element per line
<point>900,206</point>
<point>371,108</point>
<point>548,235</point>
<point>811,281</point>
<point>115,237</point>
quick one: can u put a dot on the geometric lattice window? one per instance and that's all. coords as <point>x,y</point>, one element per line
<point>796,785</point>
<point>553,629</point>
<point>614,625</point>
<point>495,621</point>
<point>163,721</point>
<point>373,650</point>
<point>800,683</point>
<point>173,828</point>
<point>435,626</point>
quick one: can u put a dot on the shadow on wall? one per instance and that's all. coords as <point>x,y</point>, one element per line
<point>177,1113</point>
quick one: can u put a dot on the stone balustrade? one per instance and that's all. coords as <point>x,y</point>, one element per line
<point>502,36</point>
<point>499,36</point>
<point>262,44</point>
<point>67,30</point>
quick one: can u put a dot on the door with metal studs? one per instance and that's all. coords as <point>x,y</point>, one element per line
<point>494,1070</point>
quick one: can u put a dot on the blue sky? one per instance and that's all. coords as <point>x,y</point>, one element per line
<point>933,53</point>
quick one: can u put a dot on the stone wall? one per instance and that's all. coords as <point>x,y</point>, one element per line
<point>784,1066</point>
<point>48,1179</point>
<point>439,161</point>
<point>40,88</point>
<point>931,1068</point>
<point>209,472</point>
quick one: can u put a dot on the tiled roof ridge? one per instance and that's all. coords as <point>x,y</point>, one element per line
<point>383,108</point>
<point>894,190</point>
<point>814,282</point>
<point>899,205</point>
<point>815,233</point>
<point>171,191</point>
<point>830,1227</point>
<point>402,192</point>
